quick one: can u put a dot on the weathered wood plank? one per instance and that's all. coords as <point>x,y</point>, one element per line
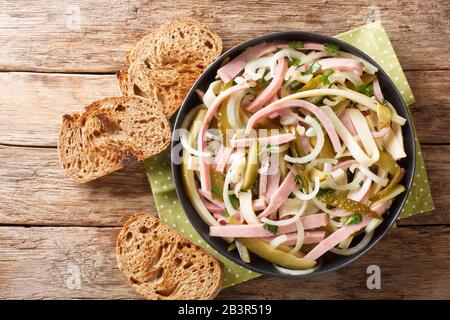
<point>35,190</point>
<point>31,104</point>
<point>70,263</point>
<point>79,36</point>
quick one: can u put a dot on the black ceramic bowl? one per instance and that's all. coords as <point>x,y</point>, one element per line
<point>330,262</point>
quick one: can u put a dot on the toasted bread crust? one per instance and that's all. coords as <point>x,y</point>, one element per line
<point>110,134</point>
<point>166,63</point>
<point>161,264</point>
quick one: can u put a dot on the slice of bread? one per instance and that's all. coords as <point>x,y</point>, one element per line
<point>165,64</point>
<point>110,134</point>
<point>162,264</point>
<point>181,44</point>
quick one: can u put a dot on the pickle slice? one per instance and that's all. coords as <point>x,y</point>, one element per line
<point>278,257</point>
<point>251,169</point>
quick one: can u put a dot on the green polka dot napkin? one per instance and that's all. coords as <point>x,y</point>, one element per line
<point>373,40</point>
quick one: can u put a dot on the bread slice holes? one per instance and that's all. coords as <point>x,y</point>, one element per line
<point>188,264</point>
<point>129,236</point>
<point>134,281</point>
<point>144,229</point>
<point>209,44</point>
<point>177,262</point>
<point>97,133</point>
<point>120,108</point>
<point>138,92</point>
<point>166,291</point>
<point>158,255</point>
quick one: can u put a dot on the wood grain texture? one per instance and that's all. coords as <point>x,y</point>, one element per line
<point>32,104</point>
<point>78,36</point>
<point>36,191</point>
<point>71,263</point>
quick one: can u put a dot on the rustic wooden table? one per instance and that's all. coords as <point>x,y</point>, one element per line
<point>57,237</point>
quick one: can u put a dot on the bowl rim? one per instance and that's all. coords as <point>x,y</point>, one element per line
<point>234,51</point>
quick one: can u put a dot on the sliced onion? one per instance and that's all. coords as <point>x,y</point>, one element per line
<point>308,196</point>
<point>255,69</point>
<point>368,67</point>
<point>373,224</point>
<point>335,224</point>
<point>361,245</point>
<point>372,176</point>
<point>314,56</point>
<point>356,151</point>
<point>346,93</point>
<point>353,78</point>
<point>300,237</point>
<point>289,53</point>
<point>316,162</point>
<point>237,188</point>
<point>363,130</point>
<point>246,207</point>
<point>332,103</point>
<point>286,222</point>
<point>349,186</point>
<point>226,196</point>
<point>276,242</point>
<point>290,72</point>
<point>183,133</point>
<point>297,272</point>
<point>318,147</point>
<point>393,146</point>
<point>210,95</point>
<point>186,146</point>
<point>233,106</point>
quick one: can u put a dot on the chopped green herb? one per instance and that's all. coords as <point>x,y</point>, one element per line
<point>353,219</point>
<point>271,228</point>
<point>263,81</point>
<point>331,48</point>
<point>325,75</point>
<point>366,90</point>
<point>315,67</point>
<point>295,45</point>
<point>217,191</point>
<point>268,148</point>
<point>234,201</point>
<point>323,191</point>
<point>225,213</point>
<point>299,179</point>
<point>294,62</point>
